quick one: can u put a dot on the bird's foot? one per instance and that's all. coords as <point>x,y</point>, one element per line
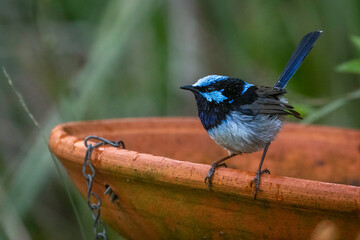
<point>256,180</point>
<point>211,172</point>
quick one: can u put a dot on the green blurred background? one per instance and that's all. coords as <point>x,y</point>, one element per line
<point>81,60</point>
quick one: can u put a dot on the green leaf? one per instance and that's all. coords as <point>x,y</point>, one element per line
<point>356,41</point>
<point>352,66</point>
<point>332,106</point>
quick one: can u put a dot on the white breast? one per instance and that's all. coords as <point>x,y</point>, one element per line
<point>240,133</point>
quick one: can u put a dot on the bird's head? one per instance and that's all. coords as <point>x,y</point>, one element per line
<point>209,89</point>
<point>218,90</point>
<point>217,95</point>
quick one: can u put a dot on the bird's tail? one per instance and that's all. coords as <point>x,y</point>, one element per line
<point>298,56</point>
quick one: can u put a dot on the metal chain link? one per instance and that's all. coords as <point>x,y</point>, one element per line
<point>99,228</point>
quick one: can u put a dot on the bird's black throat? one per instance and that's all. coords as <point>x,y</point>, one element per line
<point>211,114</point>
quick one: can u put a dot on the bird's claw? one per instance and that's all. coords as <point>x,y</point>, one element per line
<point>257,181</point>
<point>211,173</point>
<point>209,176</point>
<point>209,183</point>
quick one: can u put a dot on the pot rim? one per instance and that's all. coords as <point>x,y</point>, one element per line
<point>294,192</point>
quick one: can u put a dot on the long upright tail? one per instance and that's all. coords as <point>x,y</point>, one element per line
<point>298,56</point>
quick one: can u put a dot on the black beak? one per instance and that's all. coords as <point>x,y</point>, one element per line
<point>189,87</point>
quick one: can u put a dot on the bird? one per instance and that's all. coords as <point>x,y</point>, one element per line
<point>242,117</point>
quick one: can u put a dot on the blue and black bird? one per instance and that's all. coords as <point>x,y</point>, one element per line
<point>245,118</point>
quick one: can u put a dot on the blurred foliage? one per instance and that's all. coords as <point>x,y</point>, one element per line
<point>352,66</point>
<point>81,60</point>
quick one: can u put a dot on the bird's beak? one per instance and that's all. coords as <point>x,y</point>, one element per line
<point>189,87</point>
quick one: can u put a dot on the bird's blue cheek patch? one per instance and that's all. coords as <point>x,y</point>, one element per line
<point>246,87</point>
<point>216,96</point>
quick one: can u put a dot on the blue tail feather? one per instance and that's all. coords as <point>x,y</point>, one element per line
<point>298,56</point>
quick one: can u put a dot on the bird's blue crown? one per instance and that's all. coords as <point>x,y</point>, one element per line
<point>206,81</point>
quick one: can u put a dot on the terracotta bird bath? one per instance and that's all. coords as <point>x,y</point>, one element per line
<point>159,180</point>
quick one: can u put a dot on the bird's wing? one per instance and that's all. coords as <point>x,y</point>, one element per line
<point>268,102</point>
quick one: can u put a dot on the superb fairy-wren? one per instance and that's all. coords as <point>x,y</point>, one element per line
<point>245,118</point>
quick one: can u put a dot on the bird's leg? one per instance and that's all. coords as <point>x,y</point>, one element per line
<point>214,165</point>
<point>259,172</point>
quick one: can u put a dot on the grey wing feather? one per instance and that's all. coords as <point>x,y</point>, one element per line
<point>268,102</point>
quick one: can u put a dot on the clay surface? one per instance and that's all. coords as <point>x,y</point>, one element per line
<point>159,179</point>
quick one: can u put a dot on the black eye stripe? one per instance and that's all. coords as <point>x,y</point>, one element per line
<point>217,86</point>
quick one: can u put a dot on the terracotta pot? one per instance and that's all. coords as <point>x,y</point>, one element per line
<point>159,180</point>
